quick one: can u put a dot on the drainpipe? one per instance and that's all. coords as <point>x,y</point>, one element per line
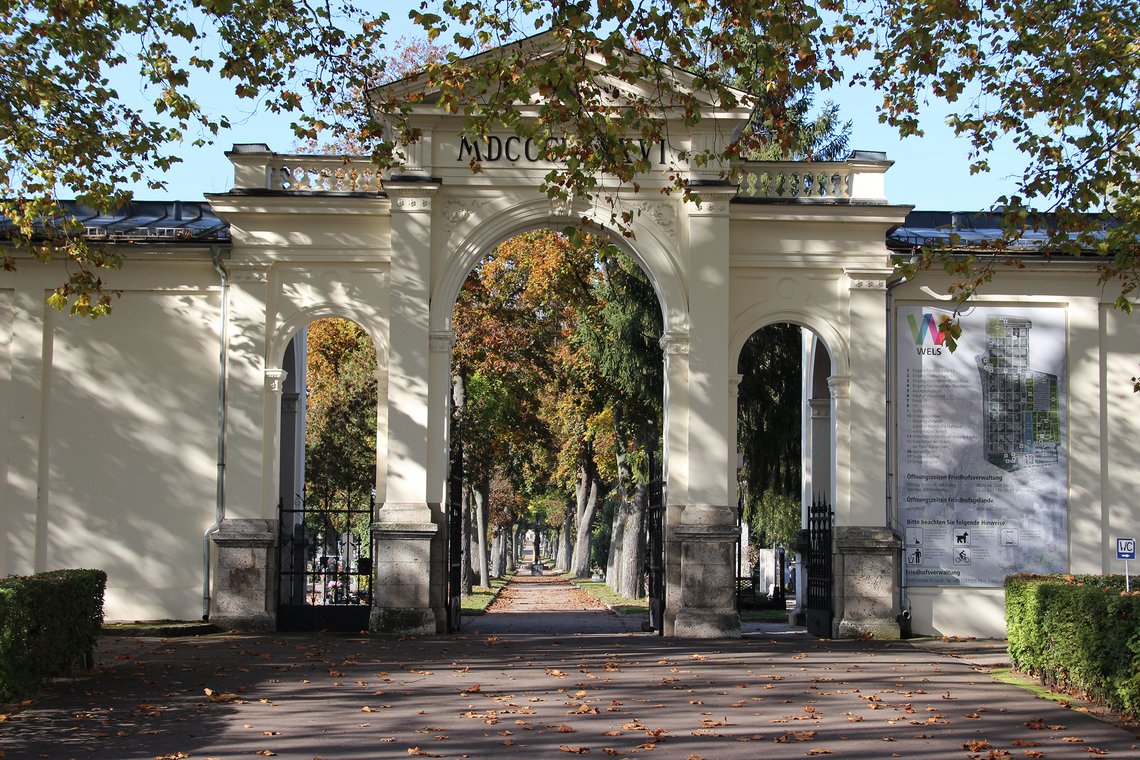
<point>220,496</point>
<point>892,452</point>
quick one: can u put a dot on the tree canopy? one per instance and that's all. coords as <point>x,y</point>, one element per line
<point>1058,79</point>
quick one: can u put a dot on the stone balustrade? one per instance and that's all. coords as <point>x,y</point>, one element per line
<point>256,167</point>
<point>857,178</point>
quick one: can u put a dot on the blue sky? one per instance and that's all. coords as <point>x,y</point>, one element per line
<point>930,172</point>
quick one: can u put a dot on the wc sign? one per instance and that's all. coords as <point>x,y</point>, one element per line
<point>1126,548</point>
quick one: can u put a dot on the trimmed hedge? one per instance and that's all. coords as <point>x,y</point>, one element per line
<point>1077,633</point>
<point>48,625</point>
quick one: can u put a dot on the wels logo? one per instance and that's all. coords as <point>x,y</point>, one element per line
<point>928,328</point>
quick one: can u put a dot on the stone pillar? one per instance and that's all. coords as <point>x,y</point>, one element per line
<point>675,461</point>
<point>868,552</point>
<point>866,573</point>
<point>246,579</point>
<point>405,524</point>
<point>707,530</point>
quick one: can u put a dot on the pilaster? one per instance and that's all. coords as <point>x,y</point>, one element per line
<point>406,524</point>
<point>675,347</point>
<point>707,531</point>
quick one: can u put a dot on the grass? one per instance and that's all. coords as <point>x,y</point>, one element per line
<point>620,604</point>
<point>768,615</point>
<point>480,598</point>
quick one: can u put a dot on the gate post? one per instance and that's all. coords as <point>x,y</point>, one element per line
<point>402,584</point>
<point>866,573</point>
<point>708,537</point>
<point>245,587</point>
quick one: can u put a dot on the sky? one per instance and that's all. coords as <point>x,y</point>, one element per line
<point>930,172</point>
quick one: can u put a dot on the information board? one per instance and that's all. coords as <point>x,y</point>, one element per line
<point>982,468</point>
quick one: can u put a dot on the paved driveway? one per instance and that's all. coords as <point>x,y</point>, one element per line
<point>534,695</point>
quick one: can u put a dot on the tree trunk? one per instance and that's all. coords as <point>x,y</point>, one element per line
<point>481,508</point>
<point>581,563</point>
<point>617,544</point>
<point>510,538</point>
<point>498,551</point>
<point>466,577</point>
<point>564,546</point>
<point>630,573</point>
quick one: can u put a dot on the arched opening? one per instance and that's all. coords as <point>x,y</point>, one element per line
<point>557,402</point>
<point>327,481</point>
<point>785,459</point>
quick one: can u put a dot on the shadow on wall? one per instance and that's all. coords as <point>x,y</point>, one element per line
<point>971,612</point>
<point>130,442</point>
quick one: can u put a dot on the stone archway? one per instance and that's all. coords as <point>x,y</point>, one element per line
<point>394,254</point>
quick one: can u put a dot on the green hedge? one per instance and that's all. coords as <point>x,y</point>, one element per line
<point>48,625</point>
<point>1077,633</point>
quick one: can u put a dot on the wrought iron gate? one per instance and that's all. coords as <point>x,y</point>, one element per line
<point>655,550</point>
<point>454,550</point>
<point>454,535</point>
<point>324,575</point>
<point>818,563</point>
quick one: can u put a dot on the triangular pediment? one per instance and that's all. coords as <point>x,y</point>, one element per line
<point>614,81</point>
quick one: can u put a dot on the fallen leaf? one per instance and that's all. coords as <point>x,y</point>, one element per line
<point>976,745</point>
<point>820,752</point>
<point>213,696</point>
<point>573,750</point>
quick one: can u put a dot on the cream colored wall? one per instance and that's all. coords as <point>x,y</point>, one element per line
<point>111,431</point>
<point>1104,431</point>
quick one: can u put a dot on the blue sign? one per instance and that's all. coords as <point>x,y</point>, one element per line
<point>1126,548</point>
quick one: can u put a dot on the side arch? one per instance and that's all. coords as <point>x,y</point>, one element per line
<point>650,250</point>
<point>757,318</point>
<point>285,330</point>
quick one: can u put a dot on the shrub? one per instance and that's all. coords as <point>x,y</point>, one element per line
<point>1077,633</point>
<point>48,625</point>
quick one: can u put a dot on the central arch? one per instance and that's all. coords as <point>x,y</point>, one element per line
<point>483,229</point>
<point>484,233</point>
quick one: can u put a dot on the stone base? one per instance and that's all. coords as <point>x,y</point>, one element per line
<point>704,624</point>
<point>264,623</point>
<point>708,574</point>
<point>245,579</point>
<point>867,592</point>
<point>403,572</point>
<point>392,621</point>
<point>875,628</point>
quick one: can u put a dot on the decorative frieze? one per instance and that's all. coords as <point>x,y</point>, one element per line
<point>275,380</point>
<point>868,279</point>
<point>840,386</point>
<point>562,206</point>
<point>246,273</point>
<point>441,341</point>
<point>675,344</point>
<point>662,214</point>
